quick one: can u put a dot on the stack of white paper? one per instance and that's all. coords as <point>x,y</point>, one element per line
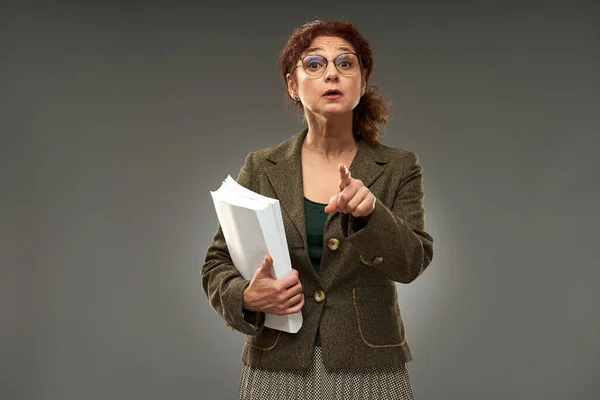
<point>252,226</point>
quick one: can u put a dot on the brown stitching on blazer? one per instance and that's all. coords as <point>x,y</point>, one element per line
<point>361,332</point>
<point>365,261</point>
<point>264,348</point>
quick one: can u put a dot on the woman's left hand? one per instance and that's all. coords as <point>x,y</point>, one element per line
<point>353,198</point>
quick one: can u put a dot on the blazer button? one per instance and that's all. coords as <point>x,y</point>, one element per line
<point>333,244</point>
<point>377,260</point>
<point>319,296</point>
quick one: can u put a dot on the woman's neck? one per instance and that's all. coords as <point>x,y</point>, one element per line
<point>330,136</point>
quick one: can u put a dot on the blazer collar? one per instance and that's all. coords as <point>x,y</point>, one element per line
<point>292,147</point>
<point>285,174</point>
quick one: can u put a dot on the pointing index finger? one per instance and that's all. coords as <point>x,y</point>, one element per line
<point>345,176</point>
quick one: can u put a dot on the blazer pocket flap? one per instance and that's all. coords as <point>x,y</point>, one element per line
<point>266,340</point>
<point>378,316</point>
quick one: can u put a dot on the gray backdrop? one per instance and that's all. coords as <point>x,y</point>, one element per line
<point>114,121</point>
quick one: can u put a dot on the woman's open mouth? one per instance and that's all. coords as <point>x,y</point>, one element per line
<point>332,94</point>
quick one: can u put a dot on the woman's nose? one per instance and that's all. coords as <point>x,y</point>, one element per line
<point>331,73</point>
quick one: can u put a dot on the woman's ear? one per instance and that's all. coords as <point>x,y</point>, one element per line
<point>291,85</point>
<point>363,87</point>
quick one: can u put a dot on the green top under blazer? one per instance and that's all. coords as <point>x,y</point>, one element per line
<point>315,220</point>
<point>352,299</point>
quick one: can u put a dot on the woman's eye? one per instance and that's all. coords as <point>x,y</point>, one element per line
<point>314,63</point>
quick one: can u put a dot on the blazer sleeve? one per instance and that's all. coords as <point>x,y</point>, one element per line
<point>394,241</point>
<point>222,282</point>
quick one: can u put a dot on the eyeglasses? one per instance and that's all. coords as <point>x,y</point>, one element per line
<point>315,65</point>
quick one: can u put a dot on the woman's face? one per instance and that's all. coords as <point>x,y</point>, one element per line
<point>315,77</point>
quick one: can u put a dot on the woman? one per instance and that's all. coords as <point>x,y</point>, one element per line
<point>354,221</point>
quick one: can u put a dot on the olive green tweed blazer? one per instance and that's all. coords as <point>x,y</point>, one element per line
<point>352,299</point>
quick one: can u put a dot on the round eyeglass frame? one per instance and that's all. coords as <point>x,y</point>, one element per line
<point>327,64</point>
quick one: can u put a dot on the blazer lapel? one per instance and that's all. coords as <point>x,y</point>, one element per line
<point>286,178</point>
<point>368,164</point>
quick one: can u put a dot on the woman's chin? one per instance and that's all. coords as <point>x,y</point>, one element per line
<point>333,110</point>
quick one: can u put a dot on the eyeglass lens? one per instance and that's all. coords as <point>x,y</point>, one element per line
<point>315,65</point>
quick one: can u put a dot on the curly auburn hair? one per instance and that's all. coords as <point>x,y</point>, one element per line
<point>372,109</point>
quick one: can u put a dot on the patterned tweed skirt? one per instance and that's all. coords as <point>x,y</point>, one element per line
<point>381,383</point>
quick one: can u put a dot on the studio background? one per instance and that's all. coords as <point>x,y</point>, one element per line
<point>117,119</point>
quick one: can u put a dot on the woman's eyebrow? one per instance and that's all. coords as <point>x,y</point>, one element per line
<point>312,49</point>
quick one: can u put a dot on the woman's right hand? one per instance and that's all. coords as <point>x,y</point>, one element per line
<point>274,296</point>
